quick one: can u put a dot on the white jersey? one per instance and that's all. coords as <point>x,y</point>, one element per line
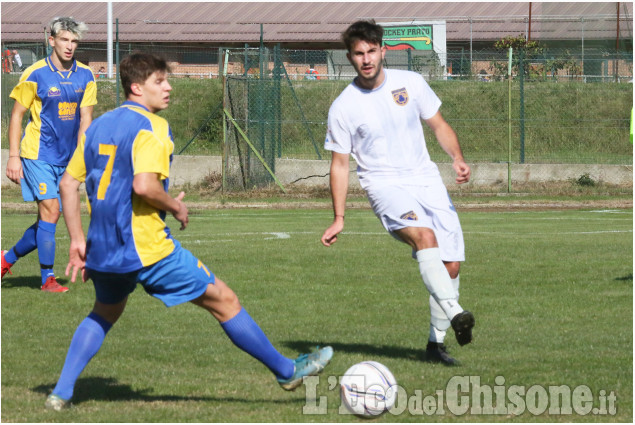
<point>382,129</point>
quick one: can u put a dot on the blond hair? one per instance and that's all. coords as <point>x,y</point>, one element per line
<point>63,23</point>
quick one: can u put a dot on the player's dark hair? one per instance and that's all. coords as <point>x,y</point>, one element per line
<point>367,31</point>
<point>137,67</point>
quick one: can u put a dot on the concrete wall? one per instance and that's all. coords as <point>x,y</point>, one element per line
<point>191,169</point>
<point>483,174</point>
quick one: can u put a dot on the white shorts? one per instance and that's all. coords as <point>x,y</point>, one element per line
<point>400,206</point>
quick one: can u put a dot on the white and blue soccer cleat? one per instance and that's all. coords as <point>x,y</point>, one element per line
<point>56,403</point>
<point>307,365</point>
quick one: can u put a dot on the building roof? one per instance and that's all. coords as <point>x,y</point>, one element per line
<point>312,23</point>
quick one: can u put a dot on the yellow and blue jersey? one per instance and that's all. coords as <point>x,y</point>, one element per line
<point>54,99</point>
<point>125,232</point>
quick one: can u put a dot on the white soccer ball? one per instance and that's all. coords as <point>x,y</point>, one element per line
<point>368,389</point>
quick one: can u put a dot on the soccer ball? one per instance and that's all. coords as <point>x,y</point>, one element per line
<point>368,389</point>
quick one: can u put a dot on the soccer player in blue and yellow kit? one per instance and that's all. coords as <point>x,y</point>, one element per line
<point>60,93</point>
<point>124,160</point>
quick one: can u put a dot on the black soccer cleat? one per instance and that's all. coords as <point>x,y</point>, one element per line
<point>436,352</point>
<point>462,324</point>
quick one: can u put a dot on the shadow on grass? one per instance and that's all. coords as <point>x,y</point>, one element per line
<point>627,277</point>
<point>33,281</point>
<point>109,389</point>
<point>366,349</point>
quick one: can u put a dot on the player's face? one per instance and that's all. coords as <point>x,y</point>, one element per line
<point>64,45</point>
<point>367,59</point>
<point>155,92</point>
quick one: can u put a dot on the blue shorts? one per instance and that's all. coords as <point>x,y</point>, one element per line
<point>41,180</point>
<point>178,278</point>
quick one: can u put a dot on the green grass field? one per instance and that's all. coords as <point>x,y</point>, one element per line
<point>552,292</point>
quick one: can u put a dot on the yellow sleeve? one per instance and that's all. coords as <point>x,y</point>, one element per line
<point>77,167</point>
<point>151,155</point>
<point>25,93</point>
<point>90,95</point>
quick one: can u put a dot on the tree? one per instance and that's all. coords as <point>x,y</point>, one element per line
<point>522,48</point>
<point>566,62</point>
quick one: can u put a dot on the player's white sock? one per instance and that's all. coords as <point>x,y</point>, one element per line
<point>455,285</point>
<point>439,322</point>
<point>436,335</point>
<point>437,280</point>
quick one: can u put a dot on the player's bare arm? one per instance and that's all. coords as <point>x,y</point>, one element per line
<point>150,188</point>
<point>85,118</point>
<point>14,165</point>
<point>339,189</point>
<point>450,143</point>
<point>72,217</point>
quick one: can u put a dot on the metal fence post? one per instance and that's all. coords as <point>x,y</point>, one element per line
<point>117,62</point>
<point>521,74</point>
<point>509,121</point>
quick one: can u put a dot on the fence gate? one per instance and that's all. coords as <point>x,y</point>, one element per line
<point>252,127</point>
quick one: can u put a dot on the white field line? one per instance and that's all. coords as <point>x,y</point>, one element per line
<point>288,235</point>
<point>196,239</point>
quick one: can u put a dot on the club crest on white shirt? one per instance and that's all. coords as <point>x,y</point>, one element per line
<point>400,96</point>
<point>410,215</point>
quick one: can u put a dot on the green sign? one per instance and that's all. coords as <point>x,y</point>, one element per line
<point>417,37</point>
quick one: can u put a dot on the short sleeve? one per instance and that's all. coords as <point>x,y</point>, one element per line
<point>25,93</point>
<point>338,138</point>
<point>90,94</point>
<point>427,101</point>
<point>151,154</point>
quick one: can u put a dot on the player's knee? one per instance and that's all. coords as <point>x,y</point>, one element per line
<point>425,239</point>
<point>49,210</point>
<point>453,268</point>
<point>230,299</point>
<point>418,237</point>
<point>220,301</point>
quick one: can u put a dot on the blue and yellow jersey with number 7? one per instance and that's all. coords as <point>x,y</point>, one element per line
<point>54,99</point>
<point>125,232</point>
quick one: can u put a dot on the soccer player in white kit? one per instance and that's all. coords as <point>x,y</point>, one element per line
<point>377,120</point>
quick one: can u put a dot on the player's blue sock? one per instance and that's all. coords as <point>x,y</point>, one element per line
<point>25,245</point>
<point>247,335</point>
<point>85,344</point>
<point>45,239</point>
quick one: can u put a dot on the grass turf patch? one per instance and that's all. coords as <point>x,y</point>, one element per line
<point>551,292</point>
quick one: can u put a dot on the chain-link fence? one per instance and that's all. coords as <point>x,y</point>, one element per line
<point>566,106</point>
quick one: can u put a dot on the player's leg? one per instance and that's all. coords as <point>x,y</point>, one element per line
<point>439,323</point>
<point>41,184</point>
<point>449,235</point>
<point>25,245</point>
<point>241,329</point>
<point>48,214</point>
<point>431,267</point>
<point>245,333</point>
<point>183,278</point>
<point>111,291</point>
<point>405,215</point>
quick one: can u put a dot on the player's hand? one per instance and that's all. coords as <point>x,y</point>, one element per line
<point>462,171</point>
<point>77,260</point>
<point>330,235</point>
<point>182,214</point>
<point>14,169</point>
